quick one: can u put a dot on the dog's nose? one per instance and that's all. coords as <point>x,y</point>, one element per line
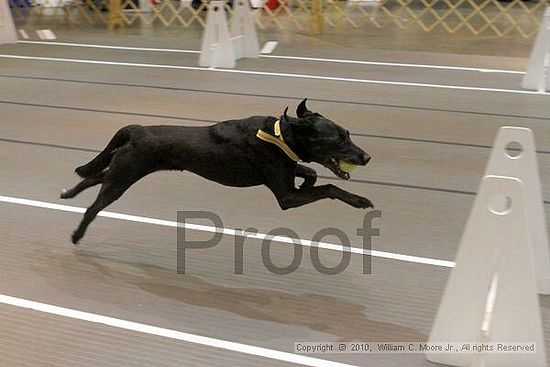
<point>365,158</point>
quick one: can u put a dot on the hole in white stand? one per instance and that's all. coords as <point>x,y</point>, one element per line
<point>500,204</point>
<point>513,149</point>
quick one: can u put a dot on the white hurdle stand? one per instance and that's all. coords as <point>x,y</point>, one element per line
<point>243,32</point>
<point>219,47</point>
<point>536,77</point>
<point>7,27</point>
<point>216,50</point>
<point>524,166</point>
<point>491,294</point>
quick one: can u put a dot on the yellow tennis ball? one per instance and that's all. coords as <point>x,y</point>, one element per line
<point>346,167</point>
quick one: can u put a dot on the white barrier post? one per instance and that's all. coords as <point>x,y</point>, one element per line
<point>216,50</point>
<point>243,32</point>
<point>491,293</point>
<point>536,77</point>
<point>524,167</point>
<point>7,28</point>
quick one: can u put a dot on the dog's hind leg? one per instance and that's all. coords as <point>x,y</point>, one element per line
<point>122,173</point>
<point>82,185</point>
<point>106,196</point>
<point>102,160</point>
<point>110,191</point>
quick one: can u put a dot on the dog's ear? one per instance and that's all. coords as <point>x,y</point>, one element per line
<point>285,116</point>
<point>301,110</point>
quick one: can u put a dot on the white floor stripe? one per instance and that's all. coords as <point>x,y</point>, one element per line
<point>395,64</point>
<point>317,59</point>
<point>232,232</point>
<point>168,333</point>
<point>267,73</point>
<point>86,45</point>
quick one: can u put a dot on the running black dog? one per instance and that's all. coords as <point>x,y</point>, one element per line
<point>259,150</point>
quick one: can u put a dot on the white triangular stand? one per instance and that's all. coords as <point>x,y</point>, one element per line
<point>219,49</point>
<point>495,242</point>
<point>216,50</point>
<point>536,77</point>
<point>243,32</point>
<point>7,28</point>
<point>524,167</point>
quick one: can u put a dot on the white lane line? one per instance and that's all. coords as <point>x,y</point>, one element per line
<point>317,59</point>
<point>168,333</point>
<point>232,232</point>
<point>267,73</point>
<point>86,45</point>
<point>396,64</point>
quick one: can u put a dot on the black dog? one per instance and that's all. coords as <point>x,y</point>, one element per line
<point>259,150</point>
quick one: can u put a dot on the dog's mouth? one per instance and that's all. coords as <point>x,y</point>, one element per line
<point>334,165</point>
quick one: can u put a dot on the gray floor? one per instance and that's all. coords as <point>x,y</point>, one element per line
<point>430,147</point>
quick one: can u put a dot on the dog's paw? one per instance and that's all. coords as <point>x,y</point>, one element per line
<point>75,238</point>
<point>361,202</point>
<point>65,194</point>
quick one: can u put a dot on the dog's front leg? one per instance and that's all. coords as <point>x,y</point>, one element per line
<point>308,174</point>
<point>280,180</point>
<point>302,196</point>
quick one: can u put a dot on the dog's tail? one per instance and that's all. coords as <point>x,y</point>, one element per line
<point>102,160</point>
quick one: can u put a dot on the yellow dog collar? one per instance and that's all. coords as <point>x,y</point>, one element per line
<point>277,140</point>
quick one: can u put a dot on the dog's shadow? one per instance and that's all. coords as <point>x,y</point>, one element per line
<point>343,319</point>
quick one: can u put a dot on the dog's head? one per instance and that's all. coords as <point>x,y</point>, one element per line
<point>318,139</point>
